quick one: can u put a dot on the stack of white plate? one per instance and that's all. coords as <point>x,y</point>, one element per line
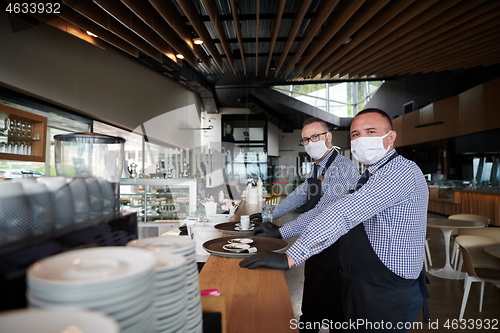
<point>171,299</point>
<point>118,281</point>
<point>186,247</point>
<point>51,321</point>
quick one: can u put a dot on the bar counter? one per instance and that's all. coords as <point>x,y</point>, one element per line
<point>257,300</point>
<point>463,201</point>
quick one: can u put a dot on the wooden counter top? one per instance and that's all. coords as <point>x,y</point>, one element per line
<point>257,300</point>
<point>478,192</point>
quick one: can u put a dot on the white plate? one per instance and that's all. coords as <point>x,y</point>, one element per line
<point>96,302</point>
<point>178,280</point>
<point>170,275</point>
<point>236,248</point>
<point>93,266</point>
<point>112,295</point>
<point>171,296</point>
<point>162,316</point>
<point>119,311</point>
<point>131,308</point>
<point>239,225</point>
<point>137,317</point>
<point>171,324</point>
<point>241,240</point>
<point>239,229</point>
<point>51,321</point>
<point>168,289</point>
<point>166,262</point>
<point>141,326</point>
<point>169,244</point>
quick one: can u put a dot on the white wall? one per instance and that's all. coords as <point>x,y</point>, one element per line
<point>107,85</point>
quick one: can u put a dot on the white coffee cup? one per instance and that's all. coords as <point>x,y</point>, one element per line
<point>245,222</point>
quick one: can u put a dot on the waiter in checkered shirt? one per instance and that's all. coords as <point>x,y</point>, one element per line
<point>330,179</point>
<point>381,230</point>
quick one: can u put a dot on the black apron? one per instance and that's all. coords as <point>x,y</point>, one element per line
<point>373,292</point>
<point>322,295</point>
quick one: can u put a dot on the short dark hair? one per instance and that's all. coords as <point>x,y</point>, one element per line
<point>380,112</point>
<point>312,120</point>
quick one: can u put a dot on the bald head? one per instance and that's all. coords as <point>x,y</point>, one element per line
<point>385,117</point>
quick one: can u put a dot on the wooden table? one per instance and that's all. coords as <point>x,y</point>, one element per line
<point>257,300</point>
<point>494,250</point>
<point>447,226</point>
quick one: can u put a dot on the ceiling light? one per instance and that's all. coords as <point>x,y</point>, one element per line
<point>179,56</point>
<point>198,40</point>
<point>347,41</point>
<point>91,34</point>
<point>272,67</point>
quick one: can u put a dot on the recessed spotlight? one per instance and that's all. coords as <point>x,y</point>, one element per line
<point>179,56</point>
<point>91,34</point>
<point>198,41</point>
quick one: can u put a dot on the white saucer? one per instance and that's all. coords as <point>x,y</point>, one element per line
<point>239,224</point>
<point>236,248</point>
<point>239,229</point>
<point>241,241</point>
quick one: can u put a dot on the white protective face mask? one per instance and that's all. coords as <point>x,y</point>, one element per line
<point>369,150</point>
<point>316,149</point>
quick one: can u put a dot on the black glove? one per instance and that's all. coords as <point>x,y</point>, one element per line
<point>257,217</point>
<point>267,229</point>
<point>268,259</point>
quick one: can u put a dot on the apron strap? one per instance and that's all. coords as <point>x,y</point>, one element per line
<point>423,282</point>
<point>367,174</point>
<point>329,162</point>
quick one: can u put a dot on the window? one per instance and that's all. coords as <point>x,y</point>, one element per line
<point>343,99</point>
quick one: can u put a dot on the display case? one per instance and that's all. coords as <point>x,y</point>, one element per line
<point>22,135</point>
<point>159,199</point>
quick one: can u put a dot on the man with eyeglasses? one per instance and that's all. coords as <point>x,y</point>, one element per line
<point>381,230</point>
<point>331,178</point>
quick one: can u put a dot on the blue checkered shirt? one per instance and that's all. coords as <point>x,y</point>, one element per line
<point>392,206</point>
<point>338,179</point>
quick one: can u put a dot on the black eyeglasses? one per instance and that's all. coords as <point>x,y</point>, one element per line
<point>313,138</point>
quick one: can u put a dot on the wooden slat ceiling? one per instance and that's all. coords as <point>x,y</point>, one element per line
<point>298,39</point>
<point>255,43</point>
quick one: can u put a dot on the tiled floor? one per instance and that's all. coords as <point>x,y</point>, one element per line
<point>446,295</point>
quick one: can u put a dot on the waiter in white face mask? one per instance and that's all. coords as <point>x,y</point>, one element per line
<point>381,229</point>
<point>330,179</point>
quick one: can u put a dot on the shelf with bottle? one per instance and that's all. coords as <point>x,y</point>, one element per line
<point>22,135</point>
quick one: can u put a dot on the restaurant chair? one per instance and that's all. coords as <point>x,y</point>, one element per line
<point>492,233</point>
<point>427,255</point>
<point>479,265</point>
<point>454,260</point>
